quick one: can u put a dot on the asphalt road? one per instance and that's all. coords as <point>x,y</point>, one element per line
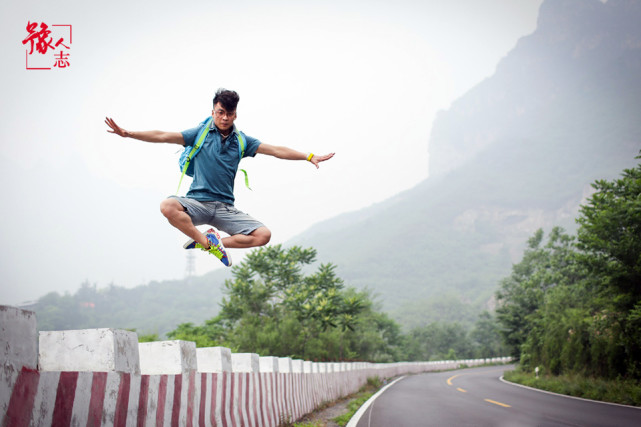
<point>477,397</point>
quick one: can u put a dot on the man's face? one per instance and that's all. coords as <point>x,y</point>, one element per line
<point>223,119</point>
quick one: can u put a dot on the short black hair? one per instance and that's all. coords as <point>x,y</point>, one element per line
<point>227,98</point>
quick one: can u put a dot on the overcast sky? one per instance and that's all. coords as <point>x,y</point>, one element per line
<point>363,79</point>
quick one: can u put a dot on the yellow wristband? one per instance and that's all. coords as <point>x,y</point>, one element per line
<point>309,158</point>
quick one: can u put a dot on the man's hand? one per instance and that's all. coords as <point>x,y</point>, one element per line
<point>290,154</point>
<point>147,135</point>
<point>115,128</point>
<point>315,160</point>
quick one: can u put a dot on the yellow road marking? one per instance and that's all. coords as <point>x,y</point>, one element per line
<point>449,380</point>
<point>498,403</point>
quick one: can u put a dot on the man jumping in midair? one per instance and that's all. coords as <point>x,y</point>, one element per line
<point>210,199</point>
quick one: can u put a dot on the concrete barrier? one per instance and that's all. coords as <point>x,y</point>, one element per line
<point>104,377</point>
<point>89,350</point>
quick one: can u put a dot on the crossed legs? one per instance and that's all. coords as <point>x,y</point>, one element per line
<point>178,217</point>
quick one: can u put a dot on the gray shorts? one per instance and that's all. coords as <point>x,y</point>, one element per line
<point>222,216</point>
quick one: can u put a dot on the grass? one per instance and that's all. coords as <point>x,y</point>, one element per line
<point>310,424</point>
<point>626,392</point>
<point>352,407</point>
<point>367,391</point>
<point>356,400</point>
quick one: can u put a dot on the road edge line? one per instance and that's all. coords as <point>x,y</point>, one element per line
<point>503,380</point>
<point>357,416</point>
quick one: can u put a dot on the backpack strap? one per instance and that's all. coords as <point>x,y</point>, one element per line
<point>194,150</point>
<point>241,153</point>
<point>241,145</point>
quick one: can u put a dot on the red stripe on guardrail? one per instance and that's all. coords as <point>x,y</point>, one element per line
<point>214,395</point>
<point>223,407</point>
<point>122,401</point>
<point>65,395</point>
<point>22,398</point>
<point>203,399</point>
<point>175,409</point>
<point>232,411</point>
<point>191,391</point>
<point>97,400</point>
<point>142,400</point>
<point>162,394</point>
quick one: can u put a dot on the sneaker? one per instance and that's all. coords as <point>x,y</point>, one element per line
<point>216,247</point>
<point>192,244</point>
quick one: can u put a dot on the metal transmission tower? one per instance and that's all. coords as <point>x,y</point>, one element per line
<point>190,267</point>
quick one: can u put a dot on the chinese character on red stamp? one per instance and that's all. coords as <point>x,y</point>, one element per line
<point>47,47</point>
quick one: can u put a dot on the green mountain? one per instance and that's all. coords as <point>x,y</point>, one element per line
<point>155,308</point>
<point>516,153</point>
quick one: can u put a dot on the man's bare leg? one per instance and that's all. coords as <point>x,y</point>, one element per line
<point>178,217</point>
<point>258,237</point>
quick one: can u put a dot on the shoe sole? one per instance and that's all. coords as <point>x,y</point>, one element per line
<point>228,259</point>
<point>190,242</point>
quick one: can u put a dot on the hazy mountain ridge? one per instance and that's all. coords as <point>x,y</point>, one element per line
<point>517,153</point>
<point>578,46</point>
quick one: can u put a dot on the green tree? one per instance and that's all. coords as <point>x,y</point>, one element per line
<point>208,335</point>
<point>574,305</point>
<point>487,338</point>
<point>374,335</point>
<point>148,337</point>
<point>272,307</point>
<point>610,236</point>
<point>269,295</point>
<point>542,268</point>
<point>610,239</point>
<point>559,337</point>
<point>438,341</point>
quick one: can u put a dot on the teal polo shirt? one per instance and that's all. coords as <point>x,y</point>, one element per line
<point>216,164</point>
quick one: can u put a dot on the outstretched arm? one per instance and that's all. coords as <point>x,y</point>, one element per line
<point>148,135</point>
<point>291,154</point>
